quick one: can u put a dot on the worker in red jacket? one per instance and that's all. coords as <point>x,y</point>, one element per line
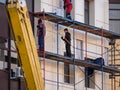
<point>68,8</point>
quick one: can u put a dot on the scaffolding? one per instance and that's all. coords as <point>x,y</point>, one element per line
<point>72,60</point>
<point>76,62</point>
<point>52,17</point>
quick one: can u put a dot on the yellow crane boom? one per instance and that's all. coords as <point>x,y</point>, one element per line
<point>25,43</point>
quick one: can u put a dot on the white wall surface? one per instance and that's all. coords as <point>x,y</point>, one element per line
<point>78,7</point>
<point>102,13</point>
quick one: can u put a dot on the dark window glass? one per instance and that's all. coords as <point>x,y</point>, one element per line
<point>66,73</point>
<point>89,78</point>
<point>86,11</point>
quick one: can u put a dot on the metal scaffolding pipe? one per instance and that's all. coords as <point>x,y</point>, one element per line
<point>57,53</point>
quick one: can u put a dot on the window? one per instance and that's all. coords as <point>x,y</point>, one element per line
<point>106,56</point>
<point>13,60</point>
<point>2,45</point>
<point>78,50</point>
<point>68,73</point>
<point>87,11</point>
<point>114,20</point>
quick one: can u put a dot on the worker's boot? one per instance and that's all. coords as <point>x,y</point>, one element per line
<point>68,16</point>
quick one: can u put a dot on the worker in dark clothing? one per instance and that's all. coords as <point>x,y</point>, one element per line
<point>68,8</point>
<point>41,30</point>
<point>67,40</point>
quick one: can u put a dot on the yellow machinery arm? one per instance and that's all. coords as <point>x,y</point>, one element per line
<point>25,43</point>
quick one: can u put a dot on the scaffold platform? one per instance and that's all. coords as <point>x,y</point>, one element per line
<point>52,17</point>
<point>83,63</point>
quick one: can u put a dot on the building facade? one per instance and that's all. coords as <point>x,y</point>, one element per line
<point>90,12</point>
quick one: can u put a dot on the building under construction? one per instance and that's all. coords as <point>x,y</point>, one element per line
<point>95,33</point>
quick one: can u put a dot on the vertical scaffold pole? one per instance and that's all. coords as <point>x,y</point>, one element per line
<point>57,53</point>
<point>114,66</point>
<point>102,46</point>
<point>33,24</point>
<point>74,68</point>
<point>44,49</point>
<point>111,64</point>
<point>9,49</point>
<point>86,44</point>
<point>74,55</point>
<point>113,82</point>
<point>86,49</point>
<point>9,58</point>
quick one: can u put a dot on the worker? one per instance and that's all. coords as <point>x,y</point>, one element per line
<point>67,41</point>
<point>68,8</point>
<point>41,30</point>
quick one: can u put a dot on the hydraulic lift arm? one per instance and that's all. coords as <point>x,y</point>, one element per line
<point>25,43</point>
